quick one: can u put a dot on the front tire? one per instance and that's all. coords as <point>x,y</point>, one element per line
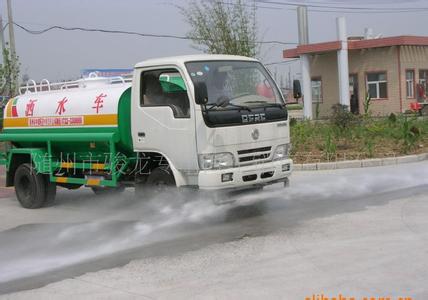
<point>160,180</point>
<point>31,188</point>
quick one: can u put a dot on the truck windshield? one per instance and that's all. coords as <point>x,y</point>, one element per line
<point>235,83</point>
<point>239,92</point>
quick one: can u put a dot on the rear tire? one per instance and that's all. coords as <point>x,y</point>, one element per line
<point>30,187</point>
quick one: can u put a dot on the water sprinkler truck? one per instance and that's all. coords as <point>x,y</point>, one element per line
<point>207,122</point>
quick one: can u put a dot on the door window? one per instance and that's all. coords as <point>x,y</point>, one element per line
<point>165,88</point>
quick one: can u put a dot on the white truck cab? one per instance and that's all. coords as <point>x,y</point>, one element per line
<point>219,121</point>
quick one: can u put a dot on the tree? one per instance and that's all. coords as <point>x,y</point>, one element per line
<point>223,27</point>
<point>9,73</point>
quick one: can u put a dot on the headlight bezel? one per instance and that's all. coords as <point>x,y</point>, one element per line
<point>216,161</point>
<point>281,152</point>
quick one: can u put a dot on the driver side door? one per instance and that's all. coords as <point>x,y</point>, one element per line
<point>162,118</point>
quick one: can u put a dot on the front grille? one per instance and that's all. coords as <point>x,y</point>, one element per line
<point>263,149</point>
<point>255,155</point>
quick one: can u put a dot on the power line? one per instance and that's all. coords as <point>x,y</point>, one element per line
<point>309,4</point>
<point>282,62</point>
<point>344,8</point>
<point>366,12</point>
<point>257,6</point>
<point>152,35</point>
<point>291,6</point>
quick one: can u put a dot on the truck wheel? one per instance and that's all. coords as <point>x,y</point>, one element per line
<point>104,190</point>
<point>30,188</point>
<point>161,179</point>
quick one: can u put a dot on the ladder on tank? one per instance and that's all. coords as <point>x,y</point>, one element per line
<point>45,86</point>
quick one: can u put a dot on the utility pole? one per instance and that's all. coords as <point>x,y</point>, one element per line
<point>342,63</point>
<point>14,76</point>
<point>3,45</point>
<point>11,30</point>
<point>302,19</point>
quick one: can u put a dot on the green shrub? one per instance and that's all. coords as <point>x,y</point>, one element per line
<point>330,147</point>
<point>369,145</point>
<point>392,118</point>
<point>301,133</point>
<point>317,110</point>
<point>409,134</point>
<point>294,107</point>
<point>343,119</point>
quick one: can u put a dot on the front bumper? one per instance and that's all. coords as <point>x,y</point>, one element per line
<point>242,177</point>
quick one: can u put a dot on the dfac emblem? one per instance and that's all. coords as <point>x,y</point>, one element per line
<point>255,134</point>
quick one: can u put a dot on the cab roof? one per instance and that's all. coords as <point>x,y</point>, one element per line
<point>180,60</point>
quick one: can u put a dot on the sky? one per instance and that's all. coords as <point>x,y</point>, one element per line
<point>58,55</point>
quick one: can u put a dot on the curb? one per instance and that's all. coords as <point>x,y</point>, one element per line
<point>365,163</point>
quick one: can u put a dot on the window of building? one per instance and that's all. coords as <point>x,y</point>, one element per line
<point>410,83</point>
<point>165,88</point>
<point>316,90</point>
<point>377,85</point>
<point>423,81</point>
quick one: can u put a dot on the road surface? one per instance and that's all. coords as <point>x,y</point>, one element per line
<point>355,232</point>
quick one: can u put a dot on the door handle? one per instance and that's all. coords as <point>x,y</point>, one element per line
<point>141,134</point>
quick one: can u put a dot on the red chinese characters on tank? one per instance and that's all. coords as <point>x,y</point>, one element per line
<point>29,108</point>
<point>61,106</point>
<point>99,100</point>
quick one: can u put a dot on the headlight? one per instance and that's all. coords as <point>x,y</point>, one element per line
<point>281,152</point>
<point>216,161</point>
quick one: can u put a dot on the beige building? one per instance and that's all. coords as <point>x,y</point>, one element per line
<point>393,70</point>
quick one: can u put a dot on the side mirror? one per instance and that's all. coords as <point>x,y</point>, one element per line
<point>297,89</point>
<point>201,93</point>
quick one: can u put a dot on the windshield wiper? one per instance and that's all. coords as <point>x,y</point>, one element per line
<point>214,105</point>
<point>264,102</point>
<point>225,101</point>
<point>240,106</point>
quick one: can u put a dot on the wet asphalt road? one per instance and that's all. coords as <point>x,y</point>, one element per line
<point>85,233</point>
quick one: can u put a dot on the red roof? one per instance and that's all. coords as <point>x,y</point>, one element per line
<point>404,40</point>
